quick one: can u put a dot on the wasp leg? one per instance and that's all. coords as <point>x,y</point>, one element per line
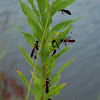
<point>54,52</point>
<point>57,45</point>
<point>37,48</point>
<point>32,52</point>
<point>47,85</point>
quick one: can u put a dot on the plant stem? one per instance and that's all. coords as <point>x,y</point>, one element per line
<point>38,56</point>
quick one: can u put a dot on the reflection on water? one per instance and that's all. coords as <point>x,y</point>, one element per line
<point>82,75</point>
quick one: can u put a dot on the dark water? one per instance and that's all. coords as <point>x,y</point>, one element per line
<point>82,75</point>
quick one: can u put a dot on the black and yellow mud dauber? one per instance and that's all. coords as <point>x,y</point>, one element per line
<point>54,47</point>
<point>35,48</point>
<point>66,11</point>
<point>67,40</point>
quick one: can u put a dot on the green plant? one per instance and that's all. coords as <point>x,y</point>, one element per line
<point>40,22</point>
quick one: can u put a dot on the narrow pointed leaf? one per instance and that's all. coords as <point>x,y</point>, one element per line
<point>30,60</point>
<point>35,10</point>
<point>61,52</point>
<point>65,65</point>
<point>36,28</point>
<point>29,38</point>
<point>32,20</point>
<point>54,91</point>
<point>41,5</point>
<point>27,57</point>
<point>23,78</point>
<point>63,24</point>
<point>28,12</point>
<point>56,77</point>
<point>36,13</point>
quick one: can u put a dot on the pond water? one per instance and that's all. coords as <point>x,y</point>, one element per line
<point>83,74</point>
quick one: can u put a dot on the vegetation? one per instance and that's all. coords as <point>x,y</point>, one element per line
<point>45,41</point>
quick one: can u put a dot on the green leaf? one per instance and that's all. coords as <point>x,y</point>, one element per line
<point>36,13</point>
<point>56,77</point>
<point>41,5</point>
<point>47,4</point>
<point>36,28</point>
<point>35,10</point>
<point>65,65</point>
<point>63,24</point>
<point>57,89</point>
<point>32,20</point>
<point>37,87</point>
<point>30,1</point>
<point>27,57</point>
<point>58,6</point>
<point>61,52</point>
<point>23,78</point>
<point>28,12</point>
<point>54,91</point>
<point>29,38</point>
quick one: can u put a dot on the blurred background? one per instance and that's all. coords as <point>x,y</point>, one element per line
<point>81,76</point>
